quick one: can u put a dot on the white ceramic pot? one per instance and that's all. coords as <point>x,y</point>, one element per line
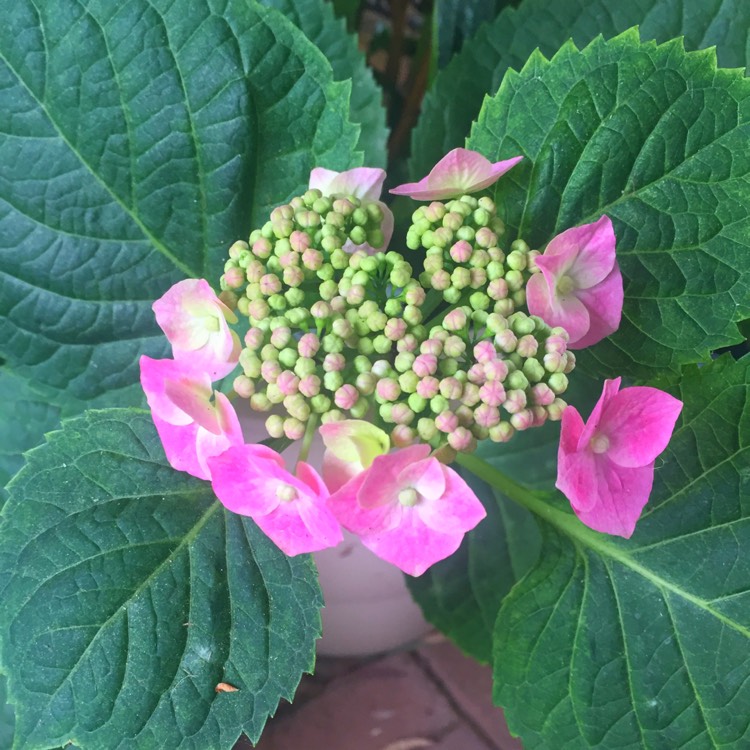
<point>368,608</point>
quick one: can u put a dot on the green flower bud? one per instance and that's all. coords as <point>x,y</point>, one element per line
<point>519,246</point>
<point>448,366</point>
<point>305,366</point>
<point>514,280</point>
<point>269,352</point>
<point>322,205</point>
<point>439,404</point>
<point>250,364</point>
<point>452,295</point>
<point>360,409</point>
<point>275,426</point>
<point>385,412</point>
<point>460,278</point>
<point>534,370</point>
<point>260,402</point>
<point>328,290</point>
<point>481,217</point>
<point>516,260</point>
<point>466,233</point>
<point>274,394</point>
<point>416,403</point>
<point>288,357</point>
<point>521,324</point>
<point>375,238</point>
<point>358,235</point>
<point>325,272</point>
<point>408,381</point>
<point>517,380</point>
<point>558,382</point>
<point>320,403</point>
<point>333,380</point>
<point>365,346</point>
<point>376,321</point>
<point>332,343</point>
<point>334,415</point>
<point>479,301</point>
<point>412,315</point>
<point>393,307</point>
<point>495,270</point>
<point>277,302</point>
<point>366,382</point>
<point>404,361</point>
<point>294,297</point>
<point>382,344</point>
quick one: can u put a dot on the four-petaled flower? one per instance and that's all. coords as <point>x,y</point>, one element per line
<point>191,425</point>
<point>606,466</point>
<point>459,172</point>
<point>290,509</point>
<point>195,321</point>
<point>408,508</point>
<point>580,284</point>
<point>365,183</point>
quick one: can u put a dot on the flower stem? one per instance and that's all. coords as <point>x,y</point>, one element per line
<point>312,423</point>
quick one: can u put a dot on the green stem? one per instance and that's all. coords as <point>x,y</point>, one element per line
<point>312,423</point>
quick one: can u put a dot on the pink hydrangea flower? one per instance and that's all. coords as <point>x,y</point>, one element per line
<point>191,425</point>
<point>606,466</point>
<point>408,508</point>
<point>195,322</point>
<point>290,509</point>
<point>365,183</point>
<point>580,284</point>
<point>351,447</point>
<point>459,172</point>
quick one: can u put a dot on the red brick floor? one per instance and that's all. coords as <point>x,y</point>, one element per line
<point>431,697</point>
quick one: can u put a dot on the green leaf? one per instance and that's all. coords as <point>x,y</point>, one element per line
<point>138,141</point>
<point>611,643</point>
<point>317,20</point>
<point>456,20</point>
<point>456,96</point>
<point>655,138</point>
<point>25,416</point>
<point>129,594</point>
<point>347,9</point>
<point>7,718</point>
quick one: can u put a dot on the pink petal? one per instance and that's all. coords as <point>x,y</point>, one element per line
<point>241,480</point>
<point>209,444</point>
<point>457,510</point>
<point>568,312</point>
<point>571,427</point>
<point>337,472</point>
<point>589,250</point>
<point>190,313</point>
<point>425,476</point>
<point>604,305</point>
<point>412,546</point>
<point>459,172</point>
<point>189,447</point>
<point>345,506</point>
<point>157,374</point>
<point>365,183</point>
<point>381,483</point>
<point>639,422</point>
<point>619,494</point>
<point>609,391</point>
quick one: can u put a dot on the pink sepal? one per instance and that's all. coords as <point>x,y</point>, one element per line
<point>195,322</point>
<point>250,482</point>
<point>580,284</point>
<point>606,467</point>
<point>459,172</point>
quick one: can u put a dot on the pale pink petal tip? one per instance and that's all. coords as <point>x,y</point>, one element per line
<point>408,508</point>
<point>459,172</point>
<point>580,285</point>
<point>291,510</point>
<point>606,467</point>
<point>196,324</point>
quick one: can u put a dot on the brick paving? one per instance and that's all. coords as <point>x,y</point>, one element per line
<point>431,697</point>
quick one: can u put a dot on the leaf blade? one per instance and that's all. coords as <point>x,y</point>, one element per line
<point>157,598</point>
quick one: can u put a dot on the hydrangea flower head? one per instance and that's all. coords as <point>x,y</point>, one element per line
<point>365,183</point>
<point>408,508</point>
<point>195,322</point>
<point>290,508</point>
<point>605,467</point>
<point>459,172</point>
<point>580,284</point>
<point>191,425</point>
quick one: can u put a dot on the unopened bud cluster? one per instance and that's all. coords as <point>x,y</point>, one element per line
<point>335,334</point>
<point>465,260</point>
<point>475,376</point>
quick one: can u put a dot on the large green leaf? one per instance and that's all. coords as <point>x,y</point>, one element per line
<point>138,140</point>
<point>129,594</point>
<point>317,20</point>
<point>611,643</point>
<point>7,718</point>
<point>25,416</point>
<point>656,138</point>
<point>456,96</point>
